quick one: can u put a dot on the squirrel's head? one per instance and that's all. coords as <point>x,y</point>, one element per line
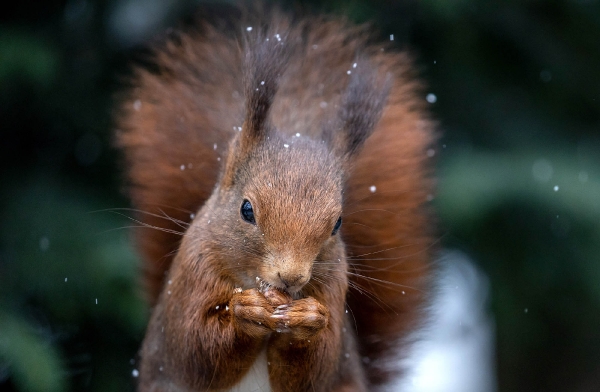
<point>278,205</point>
<point>284,207</point>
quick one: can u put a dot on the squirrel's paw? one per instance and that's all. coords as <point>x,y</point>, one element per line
<point>301,318</point>
<point>252,313</point>
<point>277,298</point>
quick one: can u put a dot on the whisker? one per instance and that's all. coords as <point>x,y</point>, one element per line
<point>360,224</point>
<point>382,282</point>
<point>164,216</point>
<point>143,225</point>
<point>359,257</point>
<point>370,268</point>
<point>429,246</point>
<point>355,285</point>
<point>171,207</point>
<point>180,223</point>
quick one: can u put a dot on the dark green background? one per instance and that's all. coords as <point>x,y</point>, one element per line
<point>518,91</point>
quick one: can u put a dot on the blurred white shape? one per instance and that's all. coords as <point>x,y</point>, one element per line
<point>542,170</point>
<point>133,21</point>
<point>44,243</point>
<point>455,350</point>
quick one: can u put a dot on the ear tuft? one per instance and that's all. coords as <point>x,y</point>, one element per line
<point>265,59</point>
<point>266,55</point>
<point>361,107</point>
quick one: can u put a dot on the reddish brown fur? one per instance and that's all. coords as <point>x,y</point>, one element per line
<point>174,118</point>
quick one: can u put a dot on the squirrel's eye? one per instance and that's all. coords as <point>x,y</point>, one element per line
<point>337,226</point>
<point>247,212</point>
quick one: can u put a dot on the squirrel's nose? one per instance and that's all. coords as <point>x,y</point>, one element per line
<point>291,280</point>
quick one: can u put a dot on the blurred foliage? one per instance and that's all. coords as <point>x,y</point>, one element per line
<point>24,351</point>
<point>516,87</point>
<point>69,274</point>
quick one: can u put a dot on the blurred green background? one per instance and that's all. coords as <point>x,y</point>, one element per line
<point>514,83</point>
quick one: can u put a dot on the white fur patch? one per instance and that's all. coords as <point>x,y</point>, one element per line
<point>257,378</point>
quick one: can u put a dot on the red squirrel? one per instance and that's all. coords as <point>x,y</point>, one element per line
<point>282,168</point>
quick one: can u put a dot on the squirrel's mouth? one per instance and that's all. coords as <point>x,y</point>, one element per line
<point>264,286</point>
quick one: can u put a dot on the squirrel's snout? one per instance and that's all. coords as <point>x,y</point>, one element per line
<point>286,270</point>
<point>293,282</point>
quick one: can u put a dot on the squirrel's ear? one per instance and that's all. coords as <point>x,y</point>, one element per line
<point>360,109</point>
<point>266,55</point>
